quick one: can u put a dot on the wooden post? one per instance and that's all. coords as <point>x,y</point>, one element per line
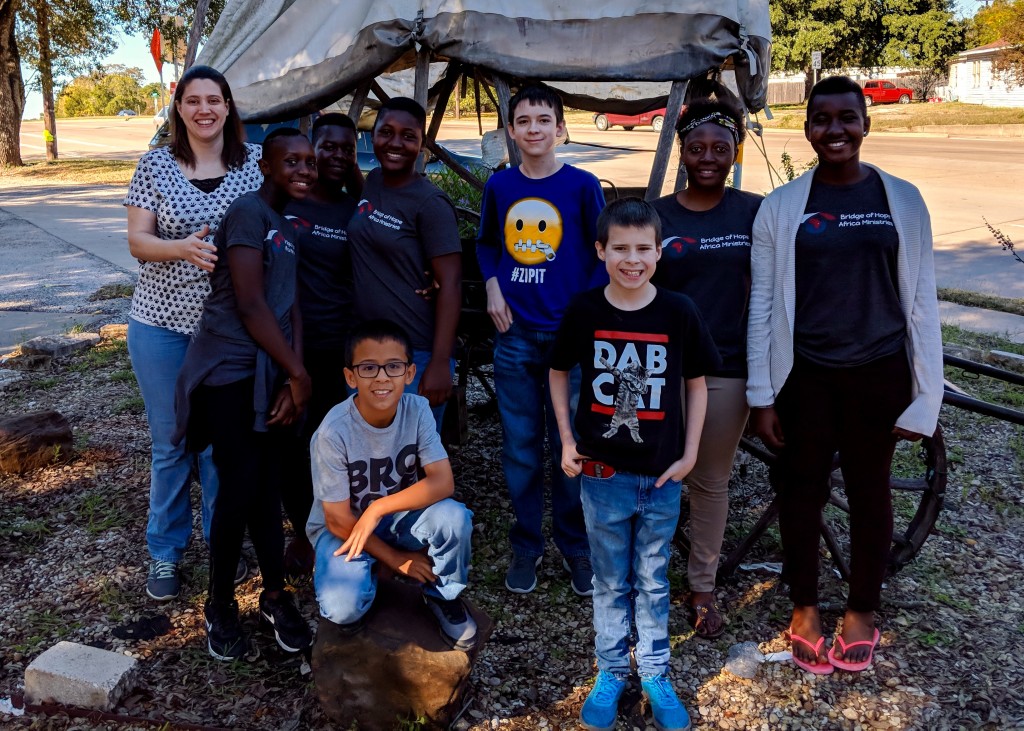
<point>665,139</point>
<point>444,92</point>
<point>504,94</point>
<point>355,109</point>
<point>476,97</point>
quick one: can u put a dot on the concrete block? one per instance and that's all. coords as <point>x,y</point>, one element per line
<point>1009,361</point>
<point>57,346</point>
<point>77,675</point>
<point>8,378</point>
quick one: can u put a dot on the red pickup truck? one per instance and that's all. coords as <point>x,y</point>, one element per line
<point>882,92</point>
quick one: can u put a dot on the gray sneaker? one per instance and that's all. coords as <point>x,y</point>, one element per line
<point>581,572</point>
<point>521,577</point>
<point>163,582</point>
<point>457,626</point>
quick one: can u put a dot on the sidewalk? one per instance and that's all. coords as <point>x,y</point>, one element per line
<point>978,320</point>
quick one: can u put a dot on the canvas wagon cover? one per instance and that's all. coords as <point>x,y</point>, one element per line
<point>289,57</point>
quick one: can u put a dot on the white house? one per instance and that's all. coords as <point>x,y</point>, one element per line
<point>973,80</point>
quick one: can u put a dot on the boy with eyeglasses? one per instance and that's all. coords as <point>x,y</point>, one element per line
<point>382,486</point>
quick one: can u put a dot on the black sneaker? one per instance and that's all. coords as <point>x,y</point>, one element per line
<point>581,572</point>
<point>224,638</point>
<point>457,626</point>
<point>290,629</point>
<point>163,582</point>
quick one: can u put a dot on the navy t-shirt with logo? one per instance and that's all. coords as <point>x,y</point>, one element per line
<point>633,364</point>
<point>847,292</point>
<point>325,270</point>
<point>706,256</point>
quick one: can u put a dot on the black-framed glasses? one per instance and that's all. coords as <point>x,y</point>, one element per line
<point>392,368</point>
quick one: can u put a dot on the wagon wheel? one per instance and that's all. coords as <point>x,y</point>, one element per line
<point>917,501</point>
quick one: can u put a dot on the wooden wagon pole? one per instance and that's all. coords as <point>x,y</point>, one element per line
<point>504,95</point>
<point>444,93</point>
<point>476,98</point>
<point>355,109</point>
<point>195,33</point>
<point>668,130</point>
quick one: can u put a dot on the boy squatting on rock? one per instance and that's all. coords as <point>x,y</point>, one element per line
<point>382,485</point>
<point>638,347</point>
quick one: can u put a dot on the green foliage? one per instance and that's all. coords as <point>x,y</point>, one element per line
<point>1010,63</point>
<point>864,33</point>
<point>467,101</point>
<point>104,91</point>
<point>80,33</point>
<point>988,23</point>
<point>142,16</point>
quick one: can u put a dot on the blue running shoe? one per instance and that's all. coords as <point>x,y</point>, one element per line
<point>669,714</point>
<point>601,707</point>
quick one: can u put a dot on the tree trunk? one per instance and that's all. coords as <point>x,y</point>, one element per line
<point>42,13</point>
<point>12,88</point>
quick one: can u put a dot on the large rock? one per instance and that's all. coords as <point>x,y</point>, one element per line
<point>33,440</point>
<point>77,675</point>
<point>58,346</point>
<point>397,667</point>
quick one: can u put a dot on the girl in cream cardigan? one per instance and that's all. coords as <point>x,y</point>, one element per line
<point>844,354</point>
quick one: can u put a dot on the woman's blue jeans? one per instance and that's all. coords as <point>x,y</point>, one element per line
<point>522,359</point>
<point>631,523</point>
<point>157,354</point>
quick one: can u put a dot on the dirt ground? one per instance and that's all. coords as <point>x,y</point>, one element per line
<point>72,567</point>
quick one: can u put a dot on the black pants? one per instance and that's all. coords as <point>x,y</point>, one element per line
<point>325,368</point>
<point>852,411</point>
<point>248,465</point>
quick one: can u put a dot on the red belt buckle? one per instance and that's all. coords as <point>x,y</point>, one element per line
<point>600,470</point>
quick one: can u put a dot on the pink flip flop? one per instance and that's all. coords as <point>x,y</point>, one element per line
<point>853,667</point>
<point>819,668</point>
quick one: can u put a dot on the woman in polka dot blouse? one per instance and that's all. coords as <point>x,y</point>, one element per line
<point>175,203</point>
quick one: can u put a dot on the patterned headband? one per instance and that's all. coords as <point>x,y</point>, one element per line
<point>716,117</point>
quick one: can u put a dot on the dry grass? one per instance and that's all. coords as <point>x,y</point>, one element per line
<point>910,117</point>
<point>1014,306</point>
<point>111,172</point>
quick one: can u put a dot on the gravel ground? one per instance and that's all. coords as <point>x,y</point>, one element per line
<point>72,558</point>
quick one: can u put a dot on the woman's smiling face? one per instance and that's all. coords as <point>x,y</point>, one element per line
<point>203,109</point>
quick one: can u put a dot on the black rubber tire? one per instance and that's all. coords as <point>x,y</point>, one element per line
<point>601,122</point>
<point>868,100</point>
<point>905,99</point>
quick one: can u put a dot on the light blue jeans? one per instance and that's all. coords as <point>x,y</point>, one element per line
<point>421,358</point>
<point>522,358</point>
<point>157,354</point>
<point>631,523</point>
<point>345,589</point>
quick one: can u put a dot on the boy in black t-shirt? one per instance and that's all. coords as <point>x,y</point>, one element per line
<point>638,348</point>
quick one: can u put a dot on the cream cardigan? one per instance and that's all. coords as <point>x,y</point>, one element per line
<point>773,297</point>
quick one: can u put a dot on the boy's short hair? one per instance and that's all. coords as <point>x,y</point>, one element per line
<point>838,85</point>
<point>279,133</point>
<point>628,212</point>
<point>380,331</point>
<point>403,104</point>
<point>536,94</point>
<point>334,119</point>
<point>712,110</point>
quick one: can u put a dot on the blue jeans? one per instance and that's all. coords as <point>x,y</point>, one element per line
<point>157,354</point>
<point>631,523</point>
<point>345,589</point>
<point>521,363</point>
<point>421,358</point>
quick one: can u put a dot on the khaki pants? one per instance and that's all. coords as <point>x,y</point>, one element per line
<point>708,483</point>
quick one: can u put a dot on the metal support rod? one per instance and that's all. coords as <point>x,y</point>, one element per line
<point>665,138</point>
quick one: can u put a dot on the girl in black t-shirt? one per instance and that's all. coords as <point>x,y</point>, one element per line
<point>844,354</point>
<point>706,255</point>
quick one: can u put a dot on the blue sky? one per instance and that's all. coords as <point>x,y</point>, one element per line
<point>134,51</point>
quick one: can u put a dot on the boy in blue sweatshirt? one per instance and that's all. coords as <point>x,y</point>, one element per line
<point>536,251</point>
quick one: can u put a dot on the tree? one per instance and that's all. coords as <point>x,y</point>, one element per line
<point>1010,63</point>
<point>12,88</point>
<point>863,33</point>
<point>142,16</point>
<point>105,91</point>
<point>60,38</point>
<point>987,24</point>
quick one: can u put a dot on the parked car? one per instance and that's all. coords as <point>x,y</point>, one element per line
<point>160,117</point>
<point>127,113</point>
<point>654,119</point>
<point>886,92</point>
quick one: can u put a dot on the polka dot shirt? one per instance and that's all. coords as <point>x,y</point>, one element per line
<point>170,294</point>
